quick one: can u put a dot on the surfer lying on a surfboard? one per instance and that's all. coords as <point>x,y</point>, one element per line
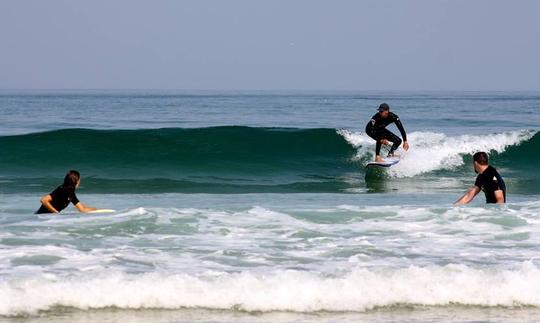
<point>59,199</point>
<point>488,180</point>
<point>376,129</point>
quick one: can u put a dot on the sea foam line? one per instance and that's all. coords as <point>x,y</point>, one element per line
<point>359,290</point>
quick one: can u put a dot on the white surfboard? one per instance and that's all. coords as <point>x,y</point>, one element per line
<point>103,211</point>
<point>387,162</point>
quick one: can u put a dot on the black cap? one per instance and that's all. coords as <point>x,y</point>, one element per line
<point>384,107</point>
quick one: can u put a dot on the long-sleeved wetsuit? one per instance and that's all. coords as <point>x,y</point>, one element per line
<point>376,129</point>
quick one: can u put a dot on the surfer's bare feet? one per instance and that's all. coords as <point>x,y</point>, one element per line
<point>393,155</point>
<point>378,159</point>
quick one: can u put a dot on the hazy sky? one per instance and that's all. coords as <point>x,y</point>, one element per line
<point>269,45</point>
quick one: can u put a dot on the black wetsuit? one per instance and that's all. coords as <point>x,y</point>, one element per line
<point>61,197</point>
<point>489,182</point>
<point>376,129</point>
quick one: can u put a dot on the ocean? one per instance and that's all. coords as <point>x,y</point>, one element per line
<point>256,207</point>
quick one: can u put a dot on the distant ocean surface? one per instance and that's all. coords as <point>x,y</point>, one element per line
<point>255,206</point>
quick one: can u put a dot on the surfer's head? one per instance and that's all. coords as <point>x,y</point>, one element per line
<point>384,110</point>
<point>72,179</point>
<point>481,161</point>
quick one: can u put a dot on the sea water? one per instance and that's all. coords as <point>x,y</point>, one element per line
<point>255,206</point>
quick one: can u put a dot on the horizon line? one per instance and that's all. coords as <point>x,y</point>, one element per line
<point>272,90</point>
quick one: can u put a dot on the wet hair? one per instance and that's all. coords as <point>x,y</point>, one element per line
<point>71,178</point>
<point>384,107</point>
<point>481,158</point>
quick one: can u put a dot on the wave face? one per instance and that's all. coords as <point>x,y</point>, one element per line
<point>203,159</point>
<point>239,159</point>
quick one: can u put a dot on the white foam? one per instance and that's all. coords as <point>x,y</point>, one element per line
<point>359,290</point>
<point>436,151</point>
<point>170,268</point>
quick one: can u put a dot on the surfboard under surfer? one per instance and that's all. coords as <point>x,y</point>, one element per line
<point>60,198</point>
<point>376,129</point>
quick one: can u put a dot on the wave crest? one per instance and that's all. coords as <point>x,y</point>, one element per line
<point>436,151</point>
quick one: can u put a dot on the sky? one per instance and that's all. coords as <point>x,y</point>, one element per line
<point>381,45</point>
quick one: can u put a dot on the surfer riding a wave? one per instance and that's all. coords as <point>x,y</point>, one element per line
<point>376,129</point>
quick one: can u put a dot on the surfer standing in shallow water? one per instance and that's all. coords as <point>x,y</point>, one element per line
<point>376,129</point>
<point>488,180</point>
<point>59,199</point>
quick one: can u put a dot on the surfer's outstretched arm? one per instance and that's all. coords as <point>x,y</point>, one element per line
<point>469,196</point>
<point>83,208</point>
